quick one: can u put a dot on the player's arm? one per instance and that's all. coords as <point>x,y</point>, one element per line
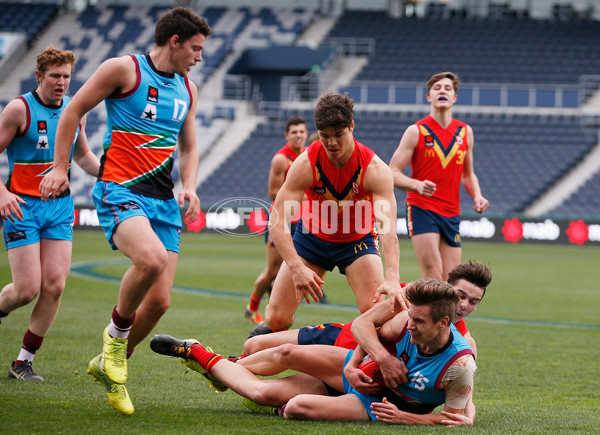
<point>83,156</point>
<point>113,75</point>
<point>400,161</point>
<point>299,178</point>
<point>470,180</point>
<point>457,383</point>
<point>188,160</point>
<point>365,330</point>
<point>12,121</point>
<point>378,179</point>
<point>279,165</point>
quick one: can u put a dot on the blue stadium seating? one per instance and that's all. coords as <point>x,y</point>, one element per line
<point>480,50</point>
<point>30,18</point>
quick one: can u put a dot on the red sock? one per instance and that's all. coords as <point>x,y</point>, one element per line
<point>203,357</point>
<point>254,302</point>
<point>122,322</point>
<point>32,342</point>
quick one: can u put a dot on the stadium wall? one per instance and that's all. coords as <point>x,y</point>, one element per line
<point>250,220</point>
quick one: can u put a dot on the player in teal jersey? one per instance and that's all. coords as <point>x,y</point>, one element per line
<point>38,232</point>
<point>151,108</point>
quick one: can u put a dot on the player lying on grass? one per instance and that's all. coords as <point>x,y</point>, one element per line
<point>439,368</point>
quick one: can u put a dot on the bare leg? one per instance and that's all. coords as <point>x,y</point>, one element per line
<point>56,262</point>
<point>451,257</point>
<point>365,275</point>
<point>267,341</point>
<point>279,314</point>
<point>154,305</point>
<point>137,240</point>
<point>312,407</point>
<point>427,251</point>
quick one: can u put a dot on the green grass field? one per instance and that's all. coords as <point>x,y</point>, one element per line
<point>537,330</point>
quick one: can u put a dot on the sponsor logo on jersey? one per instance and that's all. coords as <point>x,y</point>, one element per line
<point>429,141</point>
<point>152,94</point>
<point>42,127</point>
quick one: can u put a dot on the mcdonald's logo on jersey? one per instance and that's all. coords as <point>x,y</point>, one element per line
<point>429,153</point>
<point>360,246</point>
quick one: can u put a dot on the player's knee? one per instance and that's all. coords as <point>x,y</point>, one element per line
<point>151,266</point>
<point>298,408</point>
<point>285,353</point>
<point>264,395</point>
<point>277,320</point>
<point>254,344</point>
<point>54,289</point>
<point>24,293</point>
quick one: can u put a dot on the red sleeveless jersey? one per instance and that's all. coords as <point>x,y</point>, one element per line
<point>439,157</point>
<point>338,208</point>
<point>290,155</point>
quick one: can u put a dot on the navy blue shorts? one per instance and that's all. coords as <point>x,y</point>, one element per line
<point>419,221</point>
<point>328,255</point>
<point>326,333</point>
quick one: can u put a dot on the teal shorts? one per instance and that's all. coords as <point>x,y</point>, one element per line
<point>52,219</point>
<point>115,203</point>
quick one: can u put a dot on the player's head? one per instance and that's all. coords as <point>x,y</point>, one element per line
<point>441,299</point>
<point>443,75</point>
<point>334,119</point>
<point>334,111</point>
<point>182,22</point>
<point>470,281</point>
<point>53,73</point>
<point>296,132</point>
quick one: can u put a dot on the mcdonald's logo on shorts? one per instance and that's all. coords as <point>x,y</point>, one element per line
<point>457,238</point>
<point>360,246</point>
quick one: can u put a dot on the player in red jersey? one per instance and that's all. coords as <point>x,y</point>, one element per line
<point>295,134</point>
<point>347,188</point>
<point>439,149</point>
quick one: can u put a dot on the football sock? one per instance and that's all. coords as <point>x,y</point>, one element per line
<point>120,326</point>
<point>31,343</point>
<point>254,302</point>
<point>203,357</point>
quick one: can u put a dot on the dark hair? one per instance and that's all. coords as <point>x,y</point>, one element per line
<point>443,75</point>
<point>54,56</point>
<point>182,22</point>
<point>476,273</point>
<point>440,295</point>
<point>294,120</point>
<point>334,110</point>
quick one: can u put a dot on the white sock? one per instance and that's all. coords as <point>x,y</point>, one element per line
<point>115,332</point>
<point>25,355</point>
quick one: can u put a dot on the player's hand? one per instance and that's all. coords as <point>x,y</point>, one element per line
<point>193,210</point>
<point>393,370</point>
<point>480,204</point>
<point>9,206</point>
<point>426,188</point>
<point>387,412</point>
<point>392,288</point>
<point>307,284</point>
<point>454,419</point>
<point>53,183</point>
<point>360,381</point>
